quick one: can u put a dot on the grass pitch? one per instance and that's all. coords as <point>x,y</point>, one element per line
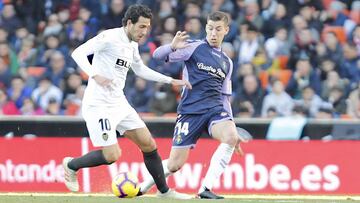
<point>107,198</point>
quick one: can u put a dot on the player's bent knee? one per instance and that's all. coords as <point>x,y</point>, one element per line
<point>112,156</point>
<point>152,144</point>
<point>230,140</point>
<point>173,167</point>
<point>149,146</point>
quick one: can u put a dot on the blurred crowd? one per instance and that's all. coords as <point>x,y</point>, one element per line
<point>298,57</point>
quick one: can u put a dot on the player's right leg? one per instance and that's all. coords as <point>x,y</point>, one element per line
<point>187,131</point>
<point>223,129</point>
<point>152,160</point>
<point>176,160</point>
<point>105,156</point>
<point>102,135</point>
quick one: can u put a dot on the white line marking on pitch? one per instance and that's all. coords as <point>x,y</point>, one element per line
<point>241,196</point>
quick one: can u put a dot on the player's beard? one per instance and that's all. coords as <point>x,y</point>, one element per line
<point>136,38</point>
<point>129,34</point>
<point>133,36</point>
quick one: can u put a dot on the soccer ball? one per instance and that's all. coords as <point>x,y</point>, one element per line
<point>125,185</point>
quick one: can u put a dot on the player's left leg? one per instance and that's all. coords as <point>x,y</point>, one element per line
<point>176,160</point>
<point>187,131</point>
<point>98,122</point>
<point>143,139</point>
<point>225,132</point>
<point>152,160</point>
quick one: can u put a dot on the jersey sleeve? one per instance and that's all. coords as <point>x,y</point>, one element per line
<point>166,53</point>
<point>227,104</point>
<point>98,43</point>
<point>145,72</point>
<point>182,54</point>
<point>227,87</point>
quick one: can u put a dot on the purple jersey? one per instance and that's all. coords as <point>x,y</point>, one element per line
<point>208,70</point>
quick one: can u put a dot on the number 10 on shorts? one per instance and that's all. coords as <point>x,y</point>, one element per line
<point>105,124</point>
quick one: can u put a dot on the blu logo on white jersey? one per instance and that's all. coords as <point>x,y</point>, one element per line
<point>122,63</point>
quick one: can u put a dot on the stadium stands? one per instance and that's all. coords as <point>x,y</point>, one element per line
<point>32,34</point>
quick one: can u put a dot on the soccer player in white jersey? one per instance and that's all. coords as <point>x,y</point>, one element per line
<point>105,108</point>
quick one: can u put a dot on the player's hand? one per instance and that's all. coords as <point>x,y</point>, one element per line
<point>186,83</point>
<point>103,81</point>
<point>179,40</point>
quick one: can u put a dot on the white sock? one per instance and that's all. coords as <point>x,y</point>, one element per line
<point>149,181</point>
<point>218,163</point>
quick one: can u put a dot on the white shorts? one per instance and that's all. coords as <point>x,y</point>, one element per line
<point>102,122</point>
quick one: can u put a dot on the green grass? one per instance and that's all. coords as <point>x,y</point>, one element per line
<point>70,198</point>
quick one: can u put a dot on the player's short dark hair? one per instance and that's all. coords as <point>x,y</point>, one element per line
<point>218,16</point>
<point>134,12</point>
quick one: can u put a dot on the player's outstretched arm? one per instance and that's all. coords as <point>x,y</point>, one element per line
<point>148,74</point>
<point>162,52</point>
<point>141,70</point>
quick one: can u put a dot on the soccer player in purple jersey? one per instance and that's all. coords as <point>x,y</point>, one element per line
<point>206,107</point>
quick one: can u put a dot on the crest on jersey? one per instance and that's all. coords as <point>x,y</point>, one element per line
<point>105,136</point>
<point>178,139</point>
